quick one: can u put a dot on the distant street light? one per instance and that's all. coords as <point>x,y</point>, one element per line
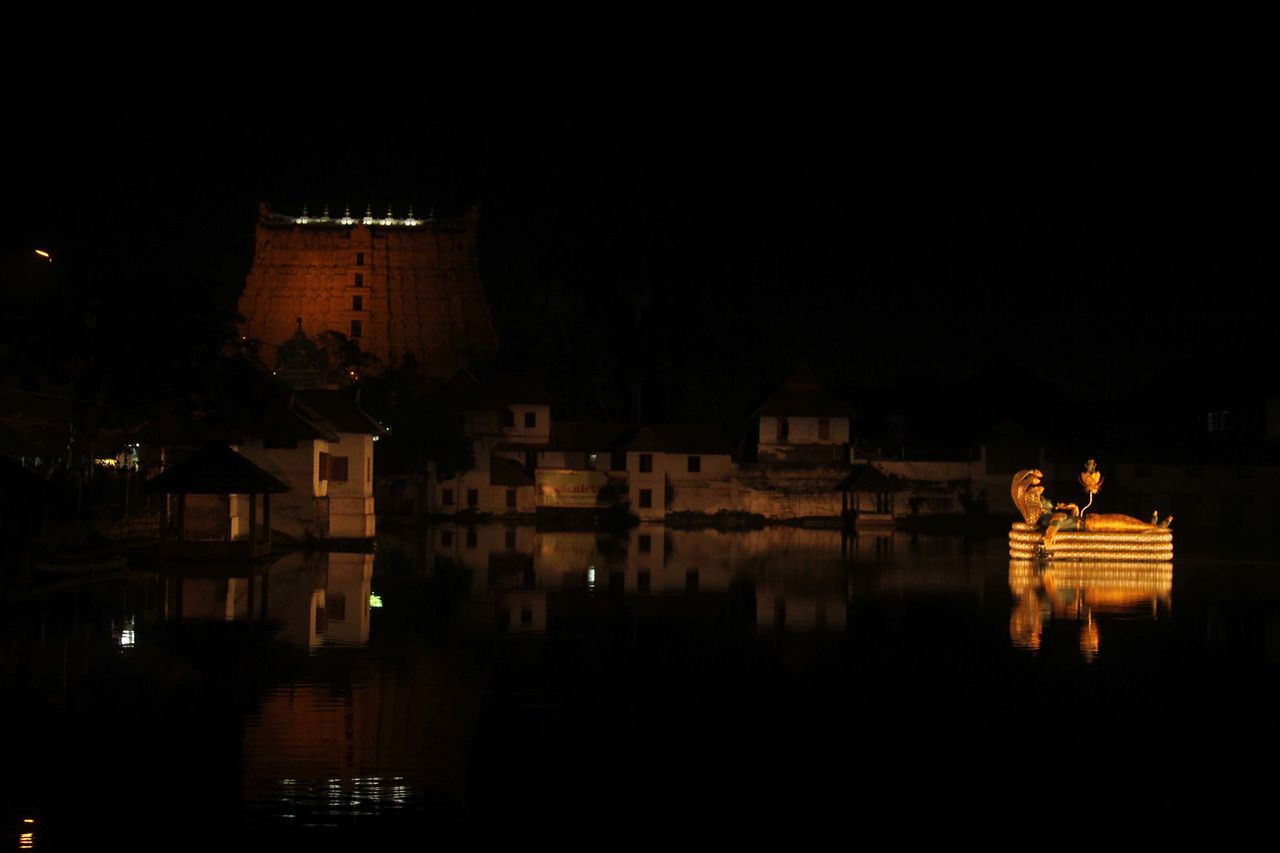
<point>42,253</point>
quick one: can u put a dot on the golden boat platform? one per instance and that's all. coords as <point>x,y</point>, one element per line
<point>1026,542</point>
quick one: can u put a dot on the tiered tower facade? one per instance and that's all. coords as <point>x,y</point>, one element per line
<point>395,286</point>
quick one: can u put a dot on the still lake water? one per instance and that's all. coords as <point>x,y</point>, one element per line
<point>546,686</point>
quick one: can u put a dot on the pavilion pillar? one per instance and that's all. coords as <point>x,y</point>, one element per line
<point>253,523</point>
<point>266,585</point>
<point>182,515</point>
<point>252,583</point>
<point>266,516</point>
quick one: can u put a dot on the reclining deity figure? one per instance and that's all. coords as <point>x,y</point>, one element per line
<point>1038,510</point>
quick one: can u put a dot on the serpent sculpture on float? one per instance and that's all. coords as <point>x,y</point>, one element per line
<point>1062,531</point>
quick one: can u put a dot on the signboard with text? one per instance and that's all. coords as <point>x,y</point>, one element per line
<point>570,489</point>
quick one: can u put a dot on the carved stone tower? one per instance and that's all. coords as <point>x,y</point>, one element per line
<point>394,286</point>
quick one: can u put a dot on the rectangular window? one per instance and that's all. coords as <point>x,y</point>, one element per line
<point>323,467</point>
<point>526,616</point>
<point>618,461</point>
<point>824,429</point>
<point>509,540</point>
<point>642,580</point>
<point>359,259</point>
<point>784,429</point>
<point>644,543</point>
<point>695,464</point>
<point>511,499</point>
<point>508,418</point>
<point>446,497</point>
<point>531,459</point>
<point>335,607</point>
<point>530,419</point>
<point>646,463</point>
<point>646,498</point>
<point>357,303</point>
<point>355,330</point>
<point>338,469</point>
<point>473,497</point>
<point>446,538</point>
<point>359,279</point>
<point>471,537</point>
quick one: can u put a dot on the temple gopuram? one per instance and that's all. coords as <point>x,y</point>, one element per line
<point>393,286</point>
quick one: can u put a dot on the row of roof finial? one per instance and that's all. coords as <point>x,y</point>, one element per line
<point>367,219</point>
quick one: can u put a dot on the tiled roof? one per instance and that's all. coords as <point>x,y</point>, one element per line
<point>340,408</point>
<point>463,392</point>
<point>677,438</point>
<point>803,396</point>
<point>508,472</point>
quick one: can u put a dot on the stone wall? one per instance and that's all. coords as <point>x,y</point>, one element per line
<point>790,492</point>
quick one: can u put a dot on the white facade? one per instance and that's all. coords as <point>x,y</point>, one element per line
<point>330,488</point>
<point>788,438</point>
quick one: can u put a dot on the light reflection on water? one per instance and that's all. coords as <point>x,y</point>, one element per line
<point>1085,593</point>
<point>590,663</point>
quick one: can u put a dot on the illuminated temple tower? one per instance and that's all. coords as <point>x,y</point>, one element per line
<point>397,286</point>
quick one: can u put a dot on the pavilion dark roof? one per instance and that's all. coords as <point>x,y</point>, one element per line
<point>214,469</point>
<point>866,477</point>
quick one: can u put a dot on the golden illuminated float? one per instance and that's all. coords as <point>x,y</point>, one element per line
<point>1061,531</point>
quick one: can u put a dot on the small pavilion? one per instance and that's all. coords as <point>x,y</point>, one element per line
<point>867,496</point>
<point>216,470</point>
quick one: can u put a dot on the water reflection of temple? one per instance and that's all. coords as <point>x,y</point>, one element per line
<point>798,577</point>
<point>316,598</point>
<point>365,739</point>
<point>1085,593</point>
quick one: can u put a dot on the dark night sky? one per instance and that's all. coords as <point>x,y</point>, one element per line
<point>925,211</point>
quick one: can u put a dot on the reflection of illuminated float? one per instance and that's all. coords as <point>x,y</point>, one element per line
<point>1062,532</point>
<point>1084,591</point>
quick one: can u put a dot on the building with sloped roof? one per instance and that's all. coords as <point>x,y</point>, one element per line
<point>320,443</point>
<point>803,421</point>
